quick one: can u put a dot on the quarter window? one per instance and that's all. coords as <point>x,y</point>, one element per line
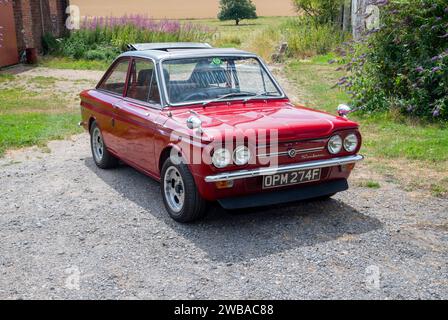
<point>143,82</point>
<point>116,80</point>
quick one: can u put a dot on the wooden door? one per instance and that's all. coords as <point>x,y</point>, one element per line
<point>8,40</point>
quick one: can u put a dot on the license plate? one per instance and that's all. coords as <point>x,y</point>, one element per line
<point>291,178</point>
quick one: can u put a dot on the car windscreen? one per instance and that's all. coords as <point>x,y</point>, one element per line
<point>210,78</point>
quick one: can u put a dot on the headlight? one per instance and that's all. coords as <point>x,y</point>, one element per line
<point>221,158</point>
<point>335,144</point>
<point>241,155</point>
<point>351,142</point>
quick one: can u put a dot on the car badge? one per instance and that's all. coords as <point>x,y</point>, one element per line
<point>292,153</point>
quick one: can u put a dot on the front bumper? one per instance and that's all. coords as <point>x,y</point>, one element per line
<point>284,196</point>
<point>244,174</point>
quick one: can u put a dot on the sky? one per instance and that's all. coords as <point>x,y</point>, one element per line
<point>174,9</point>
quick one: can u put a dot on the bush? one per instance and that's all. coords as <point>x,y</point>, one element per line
<point>50,44</point>
<point>320,11</point>
<point>305,38</point>
<point>104,38</point>
<point>404,64</point>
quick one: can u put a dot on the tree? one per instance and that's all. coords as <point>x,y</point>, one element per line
<point>237,10</point>
<point>321,11</point>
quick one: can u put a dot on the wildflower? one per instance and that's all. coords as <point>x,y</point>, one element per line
<point>435,69</point>
<point>419,69</point>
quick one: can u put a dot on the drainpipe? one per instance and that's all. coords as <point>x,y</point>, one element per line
<point>42,17</point>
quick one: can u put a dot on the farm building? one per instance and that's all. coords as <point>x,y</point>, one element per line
<point>24,22</point>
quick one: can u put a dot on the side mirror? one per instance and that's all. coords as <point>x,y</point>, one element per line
<point>193,122</point>
<point>344,110</point>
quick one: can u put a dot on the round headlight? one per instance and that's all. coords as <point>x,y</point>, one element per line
<point>241,155</point>
<point>221,158</point>
<point>335,144</point>
<point>351,142</point>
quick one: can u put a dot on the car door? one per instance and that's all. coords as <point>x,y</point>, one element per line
<point>138,115</point>
<point>109,94</point>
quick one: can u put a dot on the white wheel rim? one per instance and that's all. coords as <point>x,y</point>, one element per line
<point>97,145</point>
<point>174,190</point>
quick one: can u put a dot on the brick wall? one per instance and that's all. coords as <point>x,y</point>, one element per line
<point>33,18</point>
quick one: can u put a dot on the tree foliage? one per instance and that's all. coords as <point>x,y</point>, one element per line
<point>237,10</point>
<point>321,11</point>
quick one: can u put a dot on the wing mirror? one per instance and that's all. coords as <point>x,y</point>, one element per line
<point>344,110</point>
<point>193,122</point>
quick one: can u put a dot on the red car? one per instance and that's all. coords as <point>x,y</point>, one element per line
<point>214,125</point>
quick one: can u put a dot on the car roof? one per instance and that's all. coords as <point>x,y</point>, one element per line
<point>158,55</point>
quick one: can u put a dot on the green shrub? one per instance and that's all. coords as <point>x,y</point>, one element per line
<point>104,38</point>
<point>320,11</point>
<point>403,65</point>
<point>306,38</point>
<point>50,44</point>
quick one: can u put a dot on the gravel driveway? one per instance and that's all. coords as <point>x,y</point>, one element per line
<point>70,230</point>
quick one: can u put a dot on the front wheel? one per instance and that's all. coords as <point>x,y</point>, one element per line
<point>180,195</point>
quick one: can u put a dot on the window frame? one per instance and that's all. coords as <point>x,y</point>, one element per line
<point>109,72</point>
<point>156,77</point>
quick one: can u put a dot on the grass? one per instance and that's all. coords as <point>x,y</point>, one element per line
<point>370,184</point>
<point>31,118</point>
<point>69,63</point>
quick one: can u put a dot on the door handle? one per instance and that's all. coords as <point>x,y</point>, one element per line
<point>116,106</point>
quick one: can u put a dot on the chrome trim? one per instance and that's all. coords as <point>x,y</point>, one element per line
<point>243,174</point>
<point>285,153</point>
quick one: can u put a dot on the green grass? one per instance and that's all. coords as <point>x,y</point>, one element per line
<point>370,184</point>
<point>68,63</point>
<point>385,135</point>
<point>20,130</point>
<point>228,34</point>
<point>5,77</point>
<point>31,118</point>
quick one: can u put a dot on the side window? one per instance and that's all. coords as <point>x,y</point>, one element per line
<point>116,81</point>
<point>143,82</point>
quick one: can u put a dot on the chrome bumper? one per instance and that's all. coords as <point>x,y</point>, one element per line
<point>243,174</point>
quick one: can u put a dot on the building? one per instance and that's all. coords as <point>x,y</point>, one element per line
<point>24,22</point>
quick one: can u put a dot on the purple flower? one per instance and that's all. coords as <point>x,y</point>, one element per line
<point>435,69</point>
<point>435,58</point>
<point>436,112</point>
<point>410,108</point>
<point>419,69</point>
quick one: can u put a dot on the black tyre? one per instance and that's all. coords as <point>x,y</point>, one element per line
<point>180,195</point>
<point>103,158</point>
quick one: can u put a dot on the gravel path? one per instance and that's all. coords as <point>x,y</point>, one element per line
<point>70,230</point>
<point>63,220</point>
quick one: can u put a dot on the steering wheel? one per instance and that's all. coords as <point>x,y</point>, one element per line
<point>196,96</point>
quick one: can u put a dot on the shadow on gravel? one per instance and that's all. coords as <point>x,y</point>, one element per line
<point>242,235</point>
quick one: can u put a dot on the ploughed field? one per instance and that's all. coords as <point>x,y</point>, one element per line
<point>70,230</point>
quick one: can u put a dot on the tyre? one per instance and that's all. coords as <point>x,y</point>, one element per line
<point>180,195</point>
<point>103,158</point>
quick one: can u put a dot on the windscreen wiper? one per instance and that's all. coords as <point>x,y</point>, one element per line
<point>233,94</point>
<point>263,94</point>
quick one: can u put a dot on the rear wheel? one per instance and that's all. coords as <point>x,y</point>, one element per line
<point>103,158</point>
<point>180,195</point>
